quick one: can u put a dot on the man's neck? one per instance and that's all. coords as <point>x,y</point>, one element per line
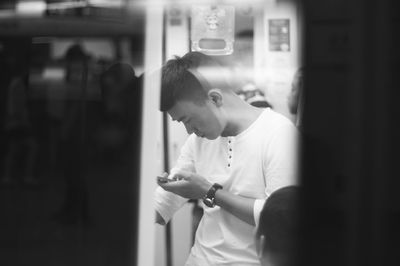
<point>240,118</point>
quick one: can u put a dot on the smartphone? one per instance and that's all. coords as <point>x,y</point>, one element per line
<point>165,179</point>
<point>162,179</point>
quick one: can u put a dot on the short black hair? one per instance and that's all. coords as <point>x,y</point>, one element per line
<point>280,221</point>
<point>178,81</point>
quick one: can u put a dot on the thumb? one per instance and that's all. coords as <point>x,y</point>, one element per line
<point>165,174</point>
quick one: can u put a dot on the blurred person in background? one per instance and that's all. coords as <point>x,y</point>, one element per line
<point>121,98</point>
<point>241,65</point>
<point>73,140</point>
<point>20,157</point>
<point>295,97</point>
<point>253,96</point>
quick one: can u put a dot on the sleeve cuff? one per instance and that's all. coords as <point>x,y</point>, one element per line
<point>258,206</point>
<point>167,203</point>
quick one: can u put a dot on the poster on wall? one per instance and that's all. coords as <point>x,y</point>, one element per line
<point>279,35</point>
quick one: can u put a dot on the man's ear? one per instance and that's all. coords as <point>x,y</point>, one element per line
<point>215,96</point>
<point>262,245</point>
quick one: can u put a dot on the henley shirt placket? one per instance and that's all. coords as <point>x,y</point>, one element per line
<point>230,152</point>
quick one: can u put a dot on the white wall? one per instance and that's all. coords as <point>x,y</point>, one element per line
<point>176,43</point>
<point>150,152</point>
<point>275,69</point>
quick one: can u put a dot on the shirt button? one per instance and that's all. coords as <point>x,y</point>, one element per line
<point>230,149</point>
<point>230,157</point>
<point>229,165</point>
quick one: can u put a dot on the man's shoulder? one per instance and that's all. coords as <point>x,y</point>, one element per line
<point>273,119</point>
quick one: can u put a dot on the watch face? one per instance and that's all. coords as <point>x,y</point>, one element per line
<point>209,202</point>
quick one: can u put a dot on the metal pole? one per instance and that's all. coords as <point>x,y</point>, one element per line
<point>168,228</point>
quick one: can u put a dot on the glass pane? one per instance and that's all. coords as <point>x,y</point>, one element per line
<point>70,122</point>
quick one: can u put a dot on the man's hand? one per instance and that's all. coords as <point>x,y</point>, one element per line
<point>193,186</point>
<point>187,184</point>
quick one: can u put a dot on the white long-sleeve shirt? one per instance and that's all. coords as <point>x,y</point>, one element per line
<point>253,164</point>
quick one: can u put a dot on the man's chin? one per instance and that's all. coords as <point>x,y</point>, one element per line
<point>204,136</point>
<point>210,137</point>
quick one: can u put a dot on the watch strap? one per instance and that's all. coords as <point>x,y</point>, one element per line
<point>210,196</point>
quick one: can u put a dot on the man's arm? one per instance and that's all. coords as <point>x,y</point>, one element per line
<point>239,206</point>
<point>166,204</point>
<point>193,186</point>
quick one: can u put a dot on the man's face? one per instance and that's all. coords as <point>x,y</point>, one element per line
<point>203,120</point>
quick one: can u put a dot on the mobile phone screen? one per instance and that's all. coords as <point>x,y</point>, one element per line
<point>162,179</point>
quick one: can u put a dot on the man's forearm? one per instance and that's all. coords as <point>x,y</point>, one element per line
<point>239,206</point>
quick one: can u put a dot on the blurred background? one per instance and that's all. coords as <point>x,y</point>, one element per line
<point>69,132</point>
<point>81,138</point>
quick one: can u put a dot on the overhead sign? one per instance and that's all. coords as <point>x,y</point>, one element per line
<point>279,35</point>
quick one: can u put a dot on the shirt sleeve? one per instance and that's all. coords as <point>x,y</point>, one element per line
<point>280,165</point>
<point>167,203</point>
<point>258,206</point>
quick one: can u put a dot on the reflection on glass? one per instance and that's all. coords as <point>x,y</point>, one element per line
<point>70,124</point>
<point>213,29</point>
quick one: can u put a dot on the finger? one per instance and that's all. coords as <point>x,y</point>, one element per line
<point>165,174</point>
<point>172,176</point>
<point>181,174</point>
<point>179,177</point>
<point>163,178</point>
<point>164,185</point>
<point>161,181</point>
<point>174,185</point>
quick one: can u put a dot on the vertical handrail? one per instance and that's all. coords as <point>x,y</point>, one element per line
<point>145,244</point>
<point>168,227</point>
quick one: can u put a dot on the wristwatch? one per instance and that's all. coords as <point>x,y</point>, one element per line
<point>209,198</point>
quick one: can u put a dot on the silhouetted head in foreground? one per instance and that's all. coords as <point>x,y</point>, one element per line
<point>278,229</point>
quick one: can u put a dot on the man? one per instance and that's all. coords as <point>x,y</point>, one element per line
<point>237,156</point>
<point>121,94</point>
